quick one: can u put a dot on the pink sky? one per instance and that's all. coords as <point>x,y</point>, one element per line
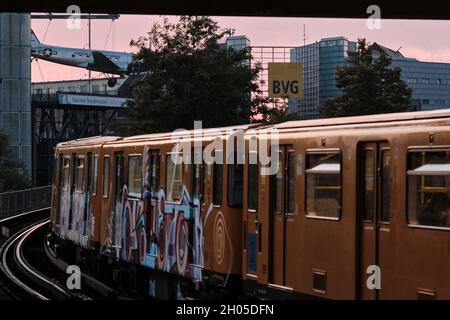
<point>421,39</point>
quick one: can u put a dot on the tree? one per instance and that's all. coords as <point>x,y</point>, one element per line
<point>369,86</point>
<point>12,172</point>
<point>184,74</point>
<point>278,112</point>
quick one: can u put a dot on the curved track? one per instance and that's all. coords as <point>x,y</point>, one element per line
<point>22,280</point>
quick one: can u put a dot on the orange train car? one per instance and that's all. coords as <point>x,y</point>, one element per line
<point>348,208</point>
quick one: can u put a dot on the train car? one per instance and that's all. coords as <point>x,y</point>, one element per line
<point>339,210</point>
<point>74,194</point>
<point>358,211</point>
<point>161,207</point>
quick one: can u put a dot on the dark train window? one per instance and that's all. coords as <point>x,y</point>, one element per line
<point>106,162</point>
<point>174,176</point>
<point>66,176</point>
<point>386,186</point>
<point>95,176</point>
<point>217,183</point>
<point>253,181</point>
<point>279,186</point>
<point>80,175</point>
<point>323,185</point>
<point>59,171</point>
<point>235,183</point>
<point>58,176</point>
<point>198,184</point>
<point>135,175</point>
<point>368,201</point>
<point>198,176</point>
<point>429,188</point>
<point>153,178</point>
<point>152,170</point>
<point>290,183</point>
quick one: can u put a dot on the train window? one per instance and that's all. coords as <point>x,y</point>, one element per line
<point>290,183</point>
<point>174,176</point>
<point>153,177</point>
<point>106,162</point>
<point>217,183</point>
<point>80,175</point>
<point>56,169</point>
<point>323,185</point>
<point>89,172</point>
<point>95,176</point>
<point>59,171</point>
<point>429,188</point>
<point>368,201</point>
<point>135,175</point>
<point>253,181</point>
<point>66,176</point>
<point>386,187</point>
<point>198,185</point>
<point>278,198</point>
<point>235,183</point>
<point>198,175</point>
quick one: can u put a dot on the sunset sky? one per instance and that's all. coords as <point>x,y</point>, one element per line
<point>424,40</point>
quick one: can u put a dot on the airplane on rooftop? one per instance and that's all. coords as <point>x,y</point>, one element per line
<point>106,62</point>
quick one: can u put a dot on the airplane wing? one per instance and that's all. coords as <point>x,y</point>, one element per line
<point>103,64</point>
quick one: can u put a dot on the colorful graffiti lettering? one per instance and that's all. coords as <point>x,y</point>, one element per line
<point>75,214</point>
<point>167,236</point>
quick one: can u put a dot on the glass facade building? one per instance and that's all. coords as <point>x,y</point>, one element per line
<point>320,60</point>
<point>332,54</point>
<point>237,42</point>
<point>309,56</point>
<point>429,81</point>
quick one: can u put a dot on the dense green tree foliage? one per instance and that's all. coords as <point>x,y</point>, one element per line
<point>183,73</point>
<point>369,86</point>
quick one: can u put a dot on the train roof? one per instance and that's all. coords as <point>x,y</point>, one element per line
<point>369,121</point>
<point>206,132</point>
<point>377,118</point>
<point>378,131</point>
<point>89,141</point>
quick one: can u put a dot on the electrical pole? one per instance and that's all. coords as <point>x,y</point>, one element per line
<point>304,35</point>
<point>89,46</point>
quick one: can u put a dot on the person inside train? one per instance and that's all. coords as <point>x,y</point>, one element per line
<point>436,211</point>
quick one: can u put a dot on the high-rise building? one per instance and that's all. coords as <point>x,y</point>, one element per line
<point>320,60</point>
<point>237,42</point>
<point>333,53</point>
<point>308,55</point>
<point>15,82</point>
<point>429,81</point>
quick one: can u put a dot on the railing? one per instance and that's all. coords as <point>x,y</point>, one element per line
<point>53,97</point>
<point>16,202</point>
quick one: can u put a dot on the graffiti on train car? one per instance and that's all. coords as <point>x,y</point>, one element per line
<point>75,214</point>
<point>167,236</point>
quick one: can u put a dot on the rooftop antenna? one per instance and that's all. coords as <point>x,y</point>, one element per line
<point>304,35</point>
<point>398,50</point>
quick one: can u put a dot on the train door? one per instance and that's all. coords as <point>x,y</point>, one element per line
<point>280,210</point>
<point>374,204</point>
<point>118,190</point>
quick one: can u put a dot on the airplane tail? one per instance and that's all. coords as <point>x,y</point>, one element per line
<point>34,39</point>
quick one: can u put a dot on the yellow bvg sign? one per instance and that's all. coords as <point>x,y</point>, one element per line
<point>285,80</point>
